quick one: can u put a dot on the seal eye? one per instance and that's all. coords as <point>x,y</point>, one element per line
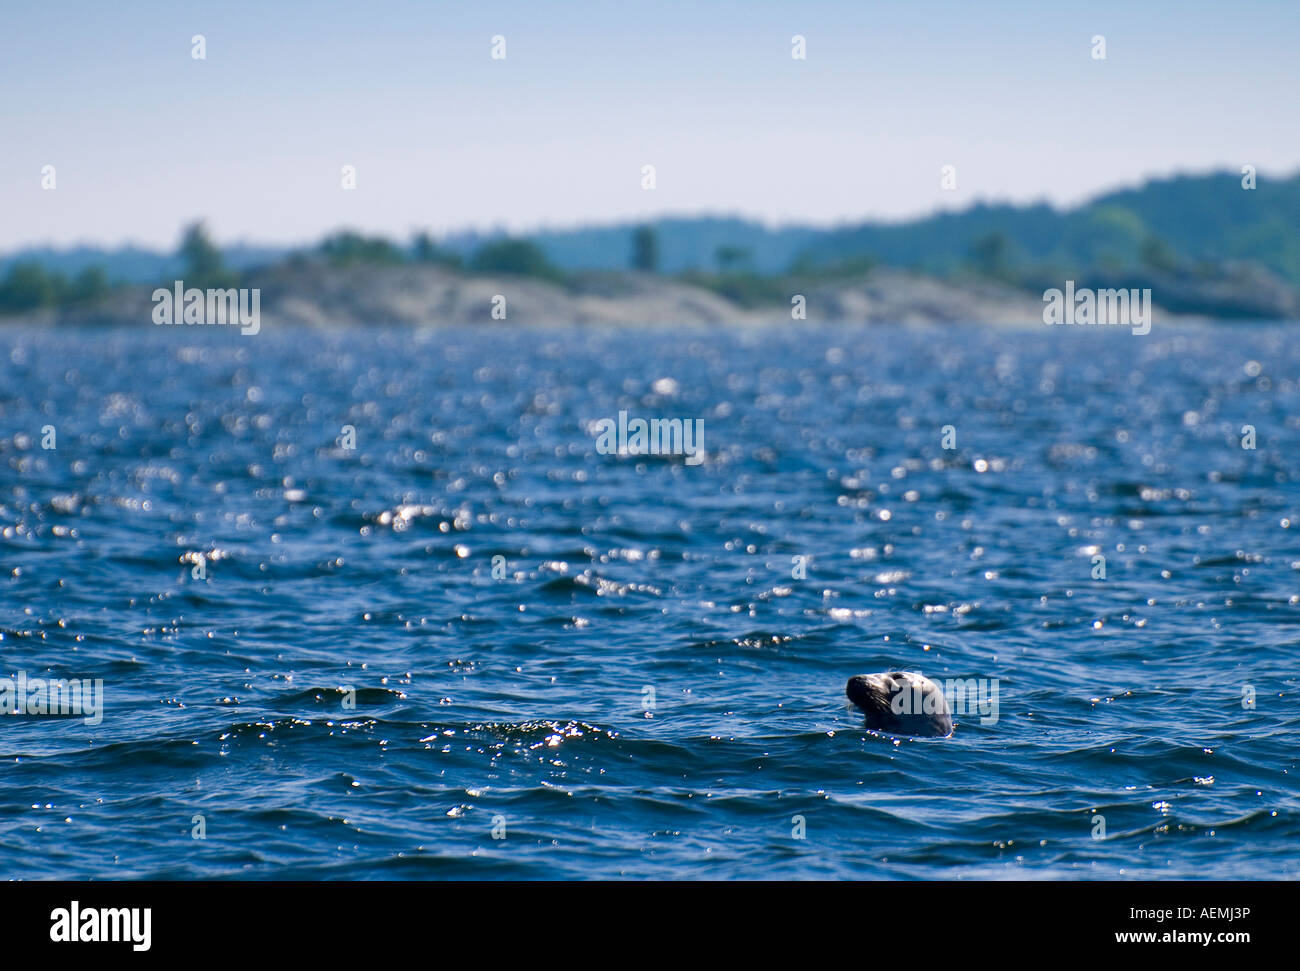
<point>898,675</point>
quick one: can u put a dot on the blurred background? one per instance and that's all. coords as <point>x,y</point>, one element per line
<point>931,137</point>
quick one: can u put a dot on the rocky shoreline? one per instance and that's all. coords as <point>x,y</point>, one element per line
<point>317,295</point>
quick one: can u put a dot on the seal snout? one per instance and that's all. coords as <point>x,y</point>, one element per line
<point>903,702</point>
<point>870,692</point>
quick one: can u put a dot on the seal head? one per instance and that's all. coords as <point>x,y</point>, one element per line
<point>901,702</point>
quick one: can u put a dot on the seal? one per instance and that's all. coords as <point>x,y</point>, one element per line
<point>902,702</point>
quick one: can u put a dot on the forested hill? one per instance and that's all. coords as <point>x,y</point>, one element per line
<point>1186,227</point>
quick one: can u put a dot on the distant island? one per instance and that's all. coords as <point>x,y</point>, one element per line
<point>1204,245</point>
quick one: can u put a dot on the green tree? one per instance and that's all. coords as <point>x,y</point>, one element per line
<point>88,286</point>
<point>425,250</point>
<point>203,264</point>
<point>520,257</point>
<point>732,258</point>
<point>348,247</point>
<point>27,286</point>
<point>1158,255</point>
<point>645,249</point>
<point>990,253</point>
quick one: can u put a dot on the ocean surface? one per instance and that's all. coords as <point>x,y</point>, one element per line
<point>473,646</point>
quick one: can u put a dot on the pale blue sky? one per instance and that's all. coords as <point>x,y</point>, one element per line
<point>443,137</point>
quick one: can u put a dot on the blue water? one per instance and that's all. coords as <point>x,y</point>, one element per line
<point>519,704</point>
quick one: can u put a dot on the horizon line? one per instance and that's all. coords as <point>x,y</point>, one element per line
<point>771,226</point>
